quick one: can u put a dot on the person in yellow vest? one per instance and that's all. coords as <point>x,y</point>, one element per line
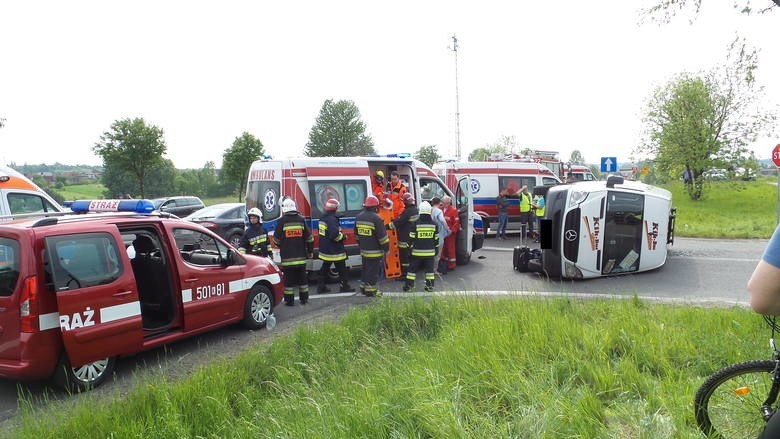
<point>526,216</point>
<point>538,203</point>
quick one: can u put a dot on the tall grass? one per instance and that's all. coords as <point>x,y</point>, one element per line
<point>730,209</point>
<point>91,191</point>
<point>444,368</point>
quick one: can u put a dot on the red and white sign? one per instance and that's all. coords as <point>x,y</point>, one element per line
<point>776,155</point>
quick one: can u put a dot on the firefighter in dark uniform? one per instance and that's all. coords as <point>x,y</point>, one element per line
<point>423,245</point>
<point>331,247</point>
<point>373,243</point>
<point>255,240</point>
<point>403,224</point>
<point>296,244</point>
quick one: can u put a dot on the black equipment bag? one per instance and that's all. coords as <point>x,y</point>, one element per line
<point>520,257</point>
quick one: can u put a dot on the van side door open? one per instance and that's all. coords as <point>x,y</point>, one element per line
<point>97,299</point>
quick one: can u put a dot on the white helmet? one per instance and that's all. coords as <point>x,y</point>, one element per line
<point>425,208</point>
<point>256,212</point>
<point>288,205</point>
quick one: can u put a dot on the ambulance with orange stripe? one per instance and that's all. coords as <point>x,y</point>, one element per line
<point>19,195</point>
<point>112,278</point>
<point>311,181</point>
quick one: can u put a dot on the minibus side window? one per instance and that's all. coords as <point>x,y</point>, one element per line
<point>9,266</point>
<point>623,232</point>
<point>264,195</point>
<point>28,203</point>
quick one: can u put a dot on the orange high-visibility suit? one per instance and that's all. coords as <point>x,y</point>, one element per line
<point>451,241</point>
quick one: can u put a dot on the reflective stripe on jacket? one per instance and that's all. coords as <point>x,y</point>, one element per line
<point>424,237</point>
<point>371,234</point>
<point>293,238</point>
<point>331,239</point>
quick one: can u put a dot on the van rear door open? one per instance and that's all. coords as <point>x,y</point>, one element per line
<point>83,268</point>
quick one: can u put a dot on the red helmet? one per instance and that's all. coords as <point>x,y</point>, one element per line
<point>332,204</point>
<point>371,201</point>
<point>408,198</point>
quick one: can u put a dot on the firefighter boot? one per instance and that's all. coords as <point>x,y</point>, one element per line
<point>321,287</point>
<point>408,286</point>
<point>429,285</point>
<point>346,288</point>
<point>303,293</point>
<point>289,298</point>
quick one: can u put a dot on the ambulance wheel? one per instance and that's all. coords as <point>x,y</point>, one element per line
<point>82,378</point>
<point>258,306</point>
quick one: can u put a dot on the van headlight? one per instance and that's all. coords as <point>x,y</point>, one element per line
<point>577,197</point>
<point>571,271</point>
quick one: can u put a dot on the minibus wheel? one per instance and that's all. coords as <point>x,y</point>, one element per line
<point>258,306</point>
<point>82,378</point>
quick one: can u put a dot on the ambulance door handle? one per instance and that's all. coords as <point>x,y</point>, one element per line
<point>122,293</point>
<point>192,279</point>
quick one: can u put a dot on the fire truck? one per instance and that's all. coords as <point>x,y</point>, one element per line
<point>311,181</point>
<point>565,171</point>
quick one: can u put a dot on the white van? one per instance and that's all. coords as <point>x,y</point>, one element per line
<point>20,196</point>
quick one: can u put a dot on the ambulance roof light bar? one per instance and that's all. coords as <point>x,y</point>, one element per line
<point>136,206</point>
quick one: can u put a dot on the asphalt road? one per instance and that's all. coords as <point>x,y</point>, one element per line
<point>697,271</point>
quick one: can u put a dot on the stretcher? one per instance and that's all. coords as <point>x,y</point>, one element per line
<point>392,258</point>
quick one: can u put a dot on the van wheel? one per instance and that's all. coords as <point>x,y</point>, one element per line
<point>82,378</point>
<point>463,259</point>
<point>258,306</point>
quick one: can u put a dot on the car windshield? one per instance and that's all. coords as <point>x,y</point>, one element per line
<point>157,202</point>
<point>210,211</point>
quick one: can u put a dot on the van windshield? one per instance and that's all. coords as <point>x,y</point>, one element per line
<point>623,232</point>
<point>9,266</point>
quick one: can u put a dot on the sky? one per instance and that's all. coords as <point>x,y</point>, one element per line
<point>563,76</point>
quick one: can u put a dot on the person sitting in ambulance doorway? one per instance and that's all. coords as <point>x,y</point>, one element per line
<point>397,192</point>
<point>255,240</point>
<point>332,251</point>
<point>296,244</point>
<point>423,245</point>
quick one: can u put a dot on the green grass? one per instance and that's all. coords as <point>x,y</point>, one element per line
<point>82,191</point>
<point>217,200</point>
<point>444,368</point>
<point>730,209</point>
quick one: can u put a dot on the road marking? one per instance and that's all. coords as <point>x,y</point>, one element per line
<point>474,293</point>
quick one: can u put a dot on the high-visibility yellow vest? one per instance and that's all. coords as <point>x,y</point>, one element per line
<point>525,202</point>
<point>539,210</point>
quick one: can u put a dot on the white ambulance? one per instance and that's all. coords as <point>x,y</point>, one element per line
<point>486,179</point>
<point>604,228</point>
<point>311,181</point>
<point>20,196</point>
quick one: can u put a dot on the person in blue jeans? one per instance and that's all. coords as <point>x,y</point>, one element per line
<point>764,289</point>
<point>503,213</point>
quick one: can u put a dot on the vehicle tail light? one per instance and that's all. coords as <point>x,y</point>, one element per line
<point>208,225</point>
<point>29,305</point>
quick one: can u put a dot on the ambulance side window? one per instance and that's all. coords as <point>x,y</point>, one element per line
<point>264,195</point>
<point>350,193</point>
<point>547,181</point>
<point>513,184</point>
<point>9,266</point>
<point>83,260</point>
<point>430,188</point>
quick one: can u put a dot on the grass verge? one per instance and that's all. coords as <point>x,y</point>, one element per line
<point>443,368</point>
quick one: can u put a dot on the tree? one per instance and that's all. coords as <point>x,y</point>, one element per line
<point>504,145</point>
<point>339,132</point>
<point>133,146</point>
<point>695,123</point>
<point>577,158</point>
<point>665,10</point>
<point>428,154</point>
<point>160,181</point>
<point>237,160</point>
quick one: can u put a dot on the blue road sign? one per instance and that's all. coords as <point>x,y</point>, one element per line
<point>609,164</point>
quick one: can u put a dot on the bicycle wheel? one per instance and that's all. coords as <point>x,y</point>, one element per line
<point>728,404</point>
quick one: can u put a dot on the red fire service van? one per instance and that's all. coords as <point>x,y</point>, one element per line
<point>311,181</point>
<point>486,179</point>
<point>79,290</point>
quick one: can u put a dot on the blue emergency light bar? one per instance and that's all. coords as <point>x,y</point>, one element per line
<point>137,206</point>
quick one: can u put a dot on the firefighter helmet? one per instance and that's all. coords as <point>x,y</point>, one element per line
<point>425,208</point>
<point>371,201</point>
<point>408,198</point>
<point>255,212</point>
<point>332,204</point>
<point>288,205</point>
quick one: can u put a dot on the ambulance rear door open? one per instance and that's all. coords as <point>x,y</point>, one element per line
<point>464,200</point>
<point>97,299</point>
<point>264,190</point>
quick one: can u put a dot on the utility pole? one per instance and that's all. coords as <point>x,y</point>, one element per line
<point>454,48</point>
